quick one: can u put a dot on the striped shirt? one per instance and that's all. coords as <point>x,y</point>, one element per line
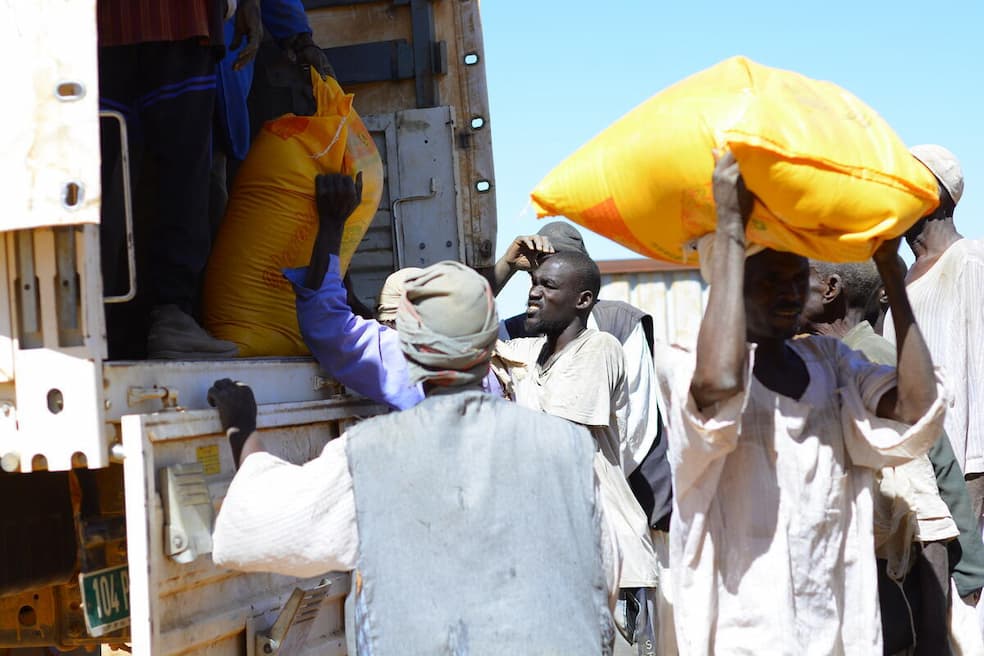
<point>947,301</point>
<point>125,22</point>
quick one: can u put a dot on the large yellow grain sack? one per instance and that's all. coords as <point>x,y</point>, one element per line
<point>833,179</point>
<point>271,221</point>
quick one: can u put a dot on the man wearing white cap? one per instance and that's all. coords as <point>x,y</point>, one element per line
<point>946,289</point>
<point>474,526</point>
<point>773,443</point>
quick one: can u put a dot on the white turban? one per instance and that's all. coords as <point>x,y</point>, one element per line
<point>944,165</point>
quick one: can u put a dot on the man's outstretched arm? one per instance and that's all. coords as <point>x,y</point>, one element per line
<point>361,354</point>
<point>721,351</point>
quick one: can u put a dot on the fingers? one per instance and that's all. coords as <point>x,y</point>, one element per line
<point>247,54</point>
<point>322,66</point>
<point>726,166</point>
<point>339,189</point>
<point>543,244</point>
<point>221,389</point>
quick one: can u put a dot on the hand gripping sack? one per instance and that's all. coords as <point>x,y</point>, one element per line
<point>271,221</point>
<point>833,180</point>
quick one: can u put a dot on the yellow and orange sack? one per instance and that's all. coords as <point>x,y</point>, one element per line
<point>271,221</point>
<point>833,180</point>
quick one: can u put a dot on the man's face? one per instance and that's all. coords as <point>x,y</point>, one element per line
<point>776,288</point>
<point>553,299</point>
<point>913,234</point>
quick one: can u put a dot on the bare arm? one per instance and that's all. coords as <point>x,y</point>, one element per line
<point>521,255</point>
<point>336,197</point>
<point>721,348</point>
<point>916,388</point>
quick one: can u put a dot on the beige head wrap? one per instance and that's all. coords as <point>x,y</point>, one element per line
<point>705,252</point>
<point>944,165</point>
<point>392,291</point>
<point>447,324</point>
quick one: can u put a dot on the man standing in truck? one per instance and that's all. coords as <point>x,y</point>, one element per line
<point>431,506</point>
<point>157,67</point>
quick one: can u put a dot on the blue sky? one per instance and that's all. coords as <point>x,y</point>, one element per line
<point>560,72</point>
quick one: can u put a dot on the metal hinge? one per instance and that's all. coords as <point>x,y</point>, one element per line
<point>188,512</point>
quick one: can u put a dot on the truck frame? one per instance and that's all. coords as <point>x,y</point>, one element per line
<point>113,471</point>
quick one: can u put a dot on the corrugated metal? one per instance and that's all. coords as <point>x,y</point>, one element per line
<point>676,300</point>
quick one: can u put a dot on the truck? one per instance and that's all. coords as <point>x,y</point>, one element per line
<point>113,470</point>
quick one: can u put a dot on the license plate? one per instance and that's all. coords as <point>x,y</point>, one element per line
<point>106,599</point>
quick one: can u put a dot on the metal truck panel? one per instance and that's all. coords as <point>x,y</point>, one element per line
<point>50,168</point>
<point>53,416</point>
<point>440,44</point>
<point>675,296</point>
<point>196,607</point>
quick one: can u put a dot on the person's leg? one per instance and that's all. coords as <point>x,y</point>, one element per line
<point>177,118</point>
<point>975,489</point>
<point>176,112</point>
<point>898,607</point>
<point>665,630</point>
<point>932,623</point>
<point>645,634</point>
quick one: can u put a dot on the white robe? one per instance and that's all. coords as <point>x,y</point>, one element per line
<point>771,536</point>
<point>948,303</point>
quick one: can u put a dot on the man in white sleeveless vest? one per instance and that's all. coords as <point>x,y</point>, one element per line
<point>474,525</point>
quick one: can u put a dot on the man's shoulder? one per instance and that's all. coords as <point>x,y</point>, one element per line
<point>600,341</point>
<point>519,349</point>
<point>620,319</point>
<point>963,256</point>
<point>618,308</point>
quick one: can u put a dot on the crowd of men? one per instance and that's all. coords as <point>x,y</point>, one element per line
<point>808,479</point>
<point>562,483</point>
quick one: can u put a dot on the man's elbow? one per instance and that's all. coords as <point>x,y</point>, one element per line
<point>906,408</point>
<point>710,389</point>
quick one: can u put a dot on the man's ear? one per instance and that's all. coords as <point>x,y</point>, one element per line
<point>833,286</point>
<point>585,300</point>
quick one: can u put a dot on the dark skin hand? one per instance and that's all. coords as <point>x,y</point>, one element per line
<point>336,197</point>
<point>302,50</point>
<point>237,413</point>
<point>249,28</point>
<point>524,254</point>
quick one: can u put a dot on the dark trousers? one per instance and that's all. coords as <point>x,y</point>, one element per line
<point>166,91</point>
<point>924,596</point>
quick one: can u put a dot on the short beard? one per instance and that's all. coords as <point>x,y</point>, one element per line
<point>548,328</point>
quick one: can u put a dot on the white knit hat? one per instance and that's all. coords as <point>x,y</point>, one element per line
<point>944,166</point>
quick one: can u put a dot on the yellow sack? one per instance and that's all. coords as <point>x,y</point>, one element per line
<point>271,221</point>
<point>833,180</point>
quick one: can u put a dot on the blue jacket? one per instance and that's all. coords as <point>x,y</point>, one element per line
<point>281,19</point>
